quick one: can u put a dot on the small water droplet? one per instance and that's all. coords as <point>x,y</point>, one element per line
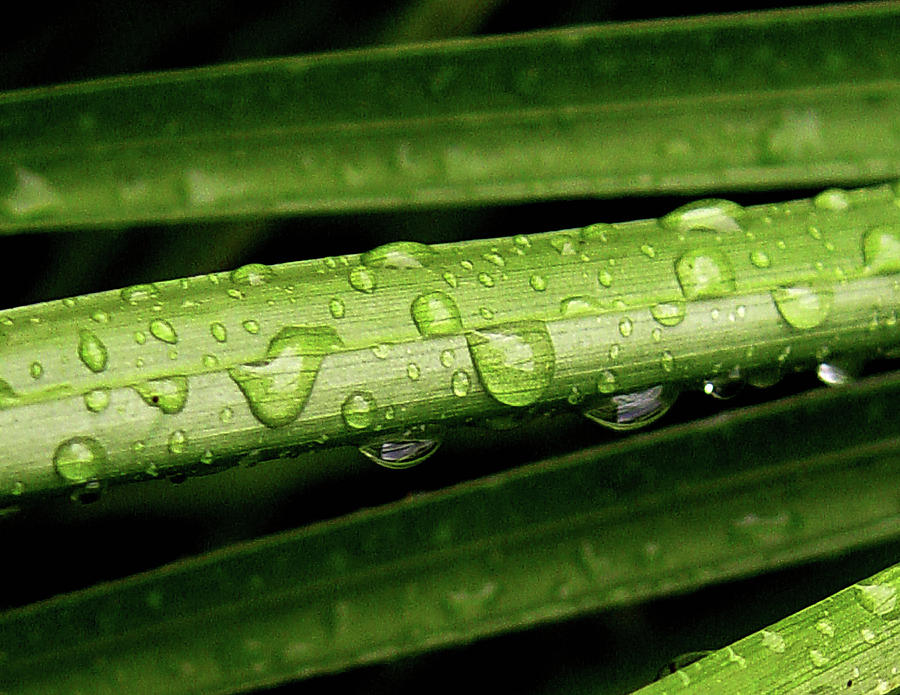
<point>177,442</point>
<point>628,411</point>
<point>825,627</point>
<point>485,279</point>
<point>399,255</point>
<point>668,313</point>
<point>162,330</point>
<point>139,337</point>
<point>773,641</point>
<point>667,361</point>
<point>514,361</point>
<point>466,264</point>
<point>494,258</point>
<point>724,387</point>
<point>648,251</point>
<point>207,457</point>
<point>832,199</point>
<point>80,459</point>
<point>604,277</point>
<point>459,383</point>
<point>92,351</point>
<point>100,316</point>
<point>607,382</point>
<point>435,313</point>
<point>625,327</point>
<point>97,400</point>
<point>252,274</point>
<point>760,258</point>
<point>251,326</point>
<point>597,232</point>
<point>564,244</point>
<point>614,351</point>
<point>210,361</point>
<point>362,279</point>
<point>404,450</point>
<point>336,307</point>
<point>839,371</point>
<point>217,330</point>
<point>705,273</point>
<point>579,306</point>
<point>413,371</point>
<point>522,241</point>
<point>881,250</point>
<point>537,282</point>
<point>36,370</point>
<point>450,279</point>
<point>803,306</point>
<point>358,410</point>
<point>234,293</point>
<point>447,358</point>
<point>712,214</point>
<point>226,414</point>
<point>818,659</point>
<point>169,394</point>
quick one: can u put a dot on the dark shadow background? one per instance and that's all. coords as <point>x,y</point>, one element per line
<point>65,546</point>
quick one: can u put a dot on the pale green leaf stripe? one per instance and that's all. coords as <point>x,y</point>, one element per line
<point>186,375</point>
<point>847,643</point>
<point>802,97</point>
<point>658,513</point>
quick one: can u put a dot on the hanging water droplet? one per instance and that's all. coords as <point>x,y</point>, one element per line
<point>459,383</point>
<point>162,330</point>
<point>277,387</point>
<point>514,361</point>
<point>169,394</point>
<point>177,442</point>
<point>336,307</point>
<point>832,199</point>
<point>97,400</point>
<point>358,410</point>
<point>217,330</point>
<point>538,284</point>
<point>79,459</point>
<point>803,306</point>
<point>839,371</point>
<point>403,450</point>
<point>399,255</point>
<point>625,326</point>
<point>881,250</point>
<point>435,313</point>
<point>362,279</point>
<point>712,214</point>
<point>705,273</point>
<point>628,411</point>
<point>724,387</point>
<point>92,351</point>
<point>668,313</point>
<point>252,274</point>
<point>760,258</point>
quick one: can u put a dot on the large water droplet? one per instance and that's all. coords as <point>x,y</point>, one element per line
<point>362,279</point>
<point>252,274</point>
<point>705,273</point>
<point>628,411</point>
<point>92,351</point>
<point>168,394</point>
<point>712,214</point>
<point>803,306</point>
<point>403,450</point>
<point>514,361</point>
<point>79,459</point>
<point>276,388</point>
<point>358,410</point>
<point>399,255</point>
<point>668,313</point>
<point>435,313</point>
<point>881,249</point>
<point>162,330</point>
<point>839,371</point>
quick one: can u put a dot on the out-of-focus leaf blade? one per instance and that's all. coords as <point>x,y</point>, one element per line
<point>657,513</point>
<point>743,101</point>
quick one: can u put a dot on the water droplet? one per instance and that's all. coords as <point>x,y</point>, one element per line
<point>413,371</point>
<point>712,214</point>
<point>140,337</point>
<point>100,316</point>
<point>207,457</point>
<point>450,279</point>
<point>522,241</point>
<point>667,361</point>
<point>514,361</point>
<point>597,232</point>
<point>358,410</point>
<point>604,277</point>
<point>217,330</point>
<point>625,327</point>
<point>763,378</point>
<point>97,400</point>
<point>760,258</point>
<point>832,199</point>
<point>336,307</point>
<point>614,351</point>
<point>92,351</point>
<point>628,411</point>
<point>668,313</point>
<point>168,394</point>
<point>494,258</point>
<point>80,459</point>
<point>276,387</point>
<point>162,330</point>
<point>839,371</point>
<point>607,382</point>
<point>435,313</point>
<point>251,326</point>
<point>404,450</point>
<point>459,383</point>
<point>447,358</point>
<point>773,641</point>
<point>564,244</point>
<point>362,279</point>
<point>485,279</point>
<point>825,627</point>
<point>880,599</point>
<point>252,274</point>
<point>398,255</point>
<point>210,361</point>
<point>31,196</point>
<point>881,250</point>
<point>467,264</point>
<point>724,387</point>
<point>538,284</point>
<point>818,659</point>
<point>705,273</point>
<point>36,370</point>
<point>648,251</point>
<point>177,442</point>
<point>226,414</point>
<point>814,232</point>
<point>234,294</point>
<point>803,306</point>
